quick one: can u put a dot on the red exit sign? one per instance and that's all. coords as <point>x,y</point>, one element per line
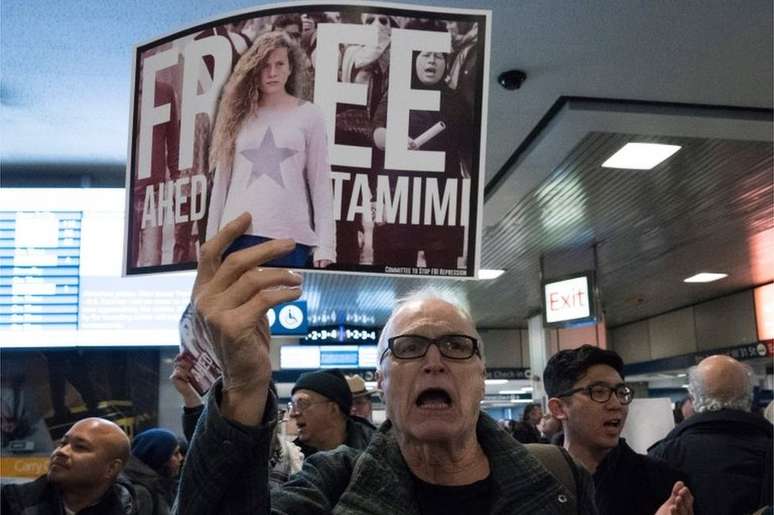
<point>568,300</point>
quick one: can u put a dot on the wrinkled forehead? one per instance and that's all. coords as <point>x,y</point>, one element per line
<point>430,317</point>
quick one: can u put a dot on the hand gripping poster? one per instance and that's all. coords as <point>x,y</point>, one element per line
<point>355,130</point>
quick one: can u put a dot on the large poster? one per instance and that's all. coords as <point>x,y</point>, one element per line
<point>355,130</point>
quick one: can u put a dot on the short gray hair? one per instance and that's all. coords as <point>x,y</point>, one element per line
<point>427,293</point>
<point>703,401</point>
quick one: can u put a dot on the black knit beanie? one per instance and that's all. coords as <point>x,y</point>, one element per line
<point>329,383</point>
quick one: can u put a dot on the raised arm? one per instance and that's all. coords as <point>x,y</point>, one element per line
<point>231,299</point>
<point>192,402</point>
<point>226,468</point>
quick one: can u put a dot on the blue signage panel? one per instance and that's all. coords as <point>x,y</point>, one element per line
<point>289,319</point>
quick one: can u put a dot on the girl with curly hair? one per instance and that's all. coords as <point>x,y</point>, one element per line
<point>270,154</point>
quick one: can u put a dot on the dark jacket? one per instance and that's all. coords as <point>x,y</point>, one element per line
<point>631,483</point>
<point>220,475</point>
<point>154,493</point>
<point>190,418</point>
<point>359,432</point>
<point>727,457</point>
<point>40,497</point>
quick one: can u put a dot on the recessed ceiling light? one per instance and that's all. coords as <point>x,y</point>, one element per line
<point>510,392</point>
<point>640,156</point>
<point>704,277</point>
<point>487,273</point>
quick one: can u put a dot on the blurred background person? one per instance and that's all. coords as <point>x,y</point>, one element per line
<point>523,432</point>
<point>362,398</point>
<point>725,450</point>
<point>153,470</point>
<point>550,429</point>
<point>320,406</point>
<point>290,24</point>
<point>530,418</point>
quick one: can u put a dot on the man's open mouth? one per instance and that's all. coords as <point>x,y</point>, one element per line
<point>434,398</point>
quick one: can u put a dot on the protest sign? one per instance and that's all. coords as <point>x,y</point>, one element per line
<point>356,130</point>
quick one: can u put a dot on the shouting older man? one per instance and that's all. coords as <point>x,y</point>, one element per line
<point>437,453</point>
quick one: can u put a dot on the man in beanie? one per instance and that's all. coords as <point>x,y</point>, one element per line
<point>153,469</point>
<point>320,406</point>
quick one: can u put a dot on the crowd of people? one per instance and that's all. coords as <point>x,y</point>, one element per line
<point>436,453</point>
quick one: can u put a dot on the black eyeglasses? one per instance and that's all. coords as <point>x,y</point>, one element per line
<point>412,346</point>
<point>601,392</point>
<point>302,405</point>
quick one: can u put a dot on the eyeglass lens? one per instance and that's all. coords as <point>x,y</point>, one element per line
<point>299,405</point>
<point>451,346</point>
<point>602,393</point>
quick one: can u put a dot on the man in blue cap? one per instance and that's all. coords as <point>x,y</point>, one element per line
<point>320,406</point>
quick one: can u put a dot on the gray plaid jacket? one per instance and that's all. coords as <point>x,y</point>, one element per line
<point>225,473</point>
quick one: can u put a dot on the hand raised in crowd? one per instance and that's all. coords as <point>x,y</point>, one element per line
<point>680,501</point>
<point>181,379</point>
<point>231,298</point>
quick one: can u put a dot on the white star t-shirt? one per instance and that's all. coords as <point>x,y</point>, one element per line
<point>281,175</point>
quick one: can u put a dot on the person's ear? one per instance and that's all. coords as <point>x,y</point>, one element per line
<point>113,468</point>
<point>557,408</point>
<point>379,379</point>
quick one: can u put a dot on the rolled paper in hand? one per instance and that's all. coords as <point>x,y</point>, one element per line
<point>429,134</point>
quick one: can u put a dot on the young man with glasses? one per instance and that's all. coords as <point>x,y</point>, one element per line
<point>320,406</point>
<point>588,394</point>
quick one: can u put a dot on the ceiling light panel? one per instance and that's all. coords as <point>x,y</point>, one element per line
<point>640,156</point>
<point>704,277</point>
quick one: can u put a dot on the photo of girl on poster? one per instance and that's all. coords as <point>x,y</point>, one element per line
<point>269,151</point>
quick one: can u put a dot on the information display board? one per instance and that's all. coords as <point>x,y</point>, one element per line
<point>39,269</point>
<point>60,274</point>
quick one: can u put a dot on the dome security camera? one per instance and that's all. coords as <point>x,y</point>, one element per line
<point>511,79</point>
